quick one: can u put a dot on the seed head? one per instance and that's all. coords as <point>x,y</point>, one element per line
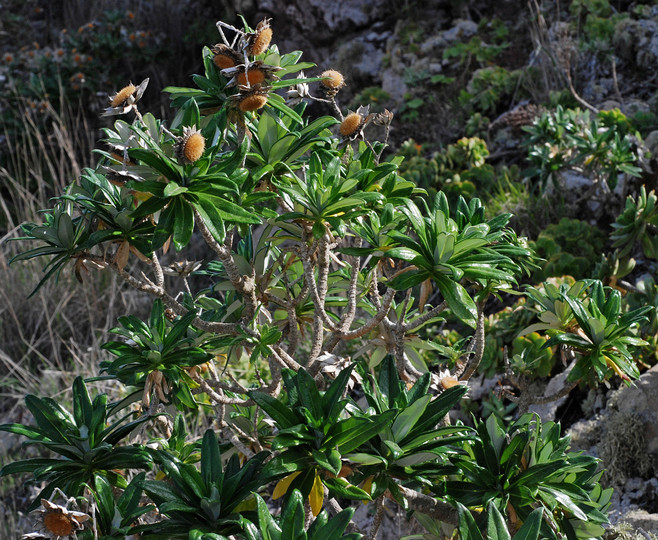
<point>252,102</point>
<point>225,57</point>
<point>190,147</point>
<point>350,125</point>
<point>260,40</point>
<point>124,100</point>
<point>122,95</point>
<point>332,79</point>
<point>254,76</point>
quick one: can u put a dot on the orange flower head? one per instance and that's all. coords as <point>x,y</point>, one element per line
<point>190,147</point>
<point>225,57</point>
<point>449,381</point>
<point>252,102</point>
<point>260,40</point>
<point>350,125</point>
<point>194,147</point>
<point>332,79</point>
<point>58,524</point>
<point>255,76</point>
<point>122,95</point>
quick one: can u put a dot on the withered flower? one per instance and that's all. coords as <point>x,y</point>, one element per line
<point>225,57</point>
<point>352,126</point>
<point>257,73</point>
<point>257,42</point>
<point>298,92</point>
<point>124,100</point>
<point>250,98</point>
<point>56,521</point>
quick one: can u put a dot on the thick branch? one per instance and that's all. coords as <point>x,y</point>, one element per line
<point>474,362</point>
<point>439,510</point>
<point>422,319</point>
<point>243,284</point>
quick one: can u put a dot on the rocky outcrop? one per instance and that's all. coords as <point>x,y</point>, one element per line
<point>636,41</point>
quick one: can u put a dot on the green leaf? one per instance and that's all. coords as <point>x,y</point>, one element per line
<point>531,526</point>
<point>211,459</point>
<point>496,527</point>
<point>292,517</point>
<point>351,440</point>
<point>340,487</point>
<point>459,301</point>
<point>183,223</point>
<point>268,527</point>
<point>279,105</point>
<point>468,529</point>
<point>229,211</point>
<point>281,414</point>
<point>407,419</point>
<point>331,400</point>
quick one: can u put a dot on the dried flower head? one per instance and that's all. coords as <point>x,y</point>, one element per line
<point>250,98</point>
<point>253,102</point>
<point>383,118</point>
<point>55,521</point>
<point>332,79</point>
<point>257,73</point>
<point>352,126</point>
<point>189,148</point>
<point>124,100</point>
<point>258,41</point>
<point>446,380</point>
<point>225,57</point>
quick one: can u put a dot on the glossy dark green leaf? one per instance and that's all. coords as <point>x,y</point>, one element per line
<point>458,299</point>
<point>340,487</point>
<point>496,527</point>
<point>279,412</point>
<point>468,529</point>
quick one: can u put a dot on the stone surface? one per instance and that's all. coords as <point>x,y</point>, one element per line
<point>637,41</point>
<point>640,519</point>
<point>641,400</point>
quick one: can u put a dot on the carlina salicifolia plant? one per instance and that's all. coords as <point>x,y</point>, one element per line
<point>300,350</point>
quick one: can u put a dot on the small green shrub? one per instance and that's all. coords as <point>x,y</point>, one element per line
<point>570,247</point>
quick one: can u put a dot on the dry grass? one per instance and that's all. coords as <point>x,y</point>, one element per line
<point>45,342</point>
<point>43,157</point>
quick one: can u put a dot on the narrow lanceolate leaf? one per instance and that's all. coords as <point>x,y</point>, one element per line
<point>211,460</point>
<point>496,528</point>
<point>468,529</point>
<point>281,414</point>
<point>458,299</point>
<point>531,526</point>
<point>407,419</point>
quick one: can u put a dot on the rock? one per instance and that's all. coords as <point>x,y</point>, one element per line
<point>360,61</point>
<point>328,18</point>
<point>637,41</point>
<point>461,31</point>
<point>393,83</point>
<point>639,519</point>
<point>433,46</point>
<point>641,400</point>
<point>585,435</point>
<point>651,142</point>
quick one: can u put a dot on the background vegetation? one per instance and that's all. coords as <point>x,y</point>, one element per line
<point>520,120</point>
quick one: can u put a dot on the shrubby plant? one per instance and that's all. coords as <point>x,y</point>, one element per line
<point>297,344</point>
